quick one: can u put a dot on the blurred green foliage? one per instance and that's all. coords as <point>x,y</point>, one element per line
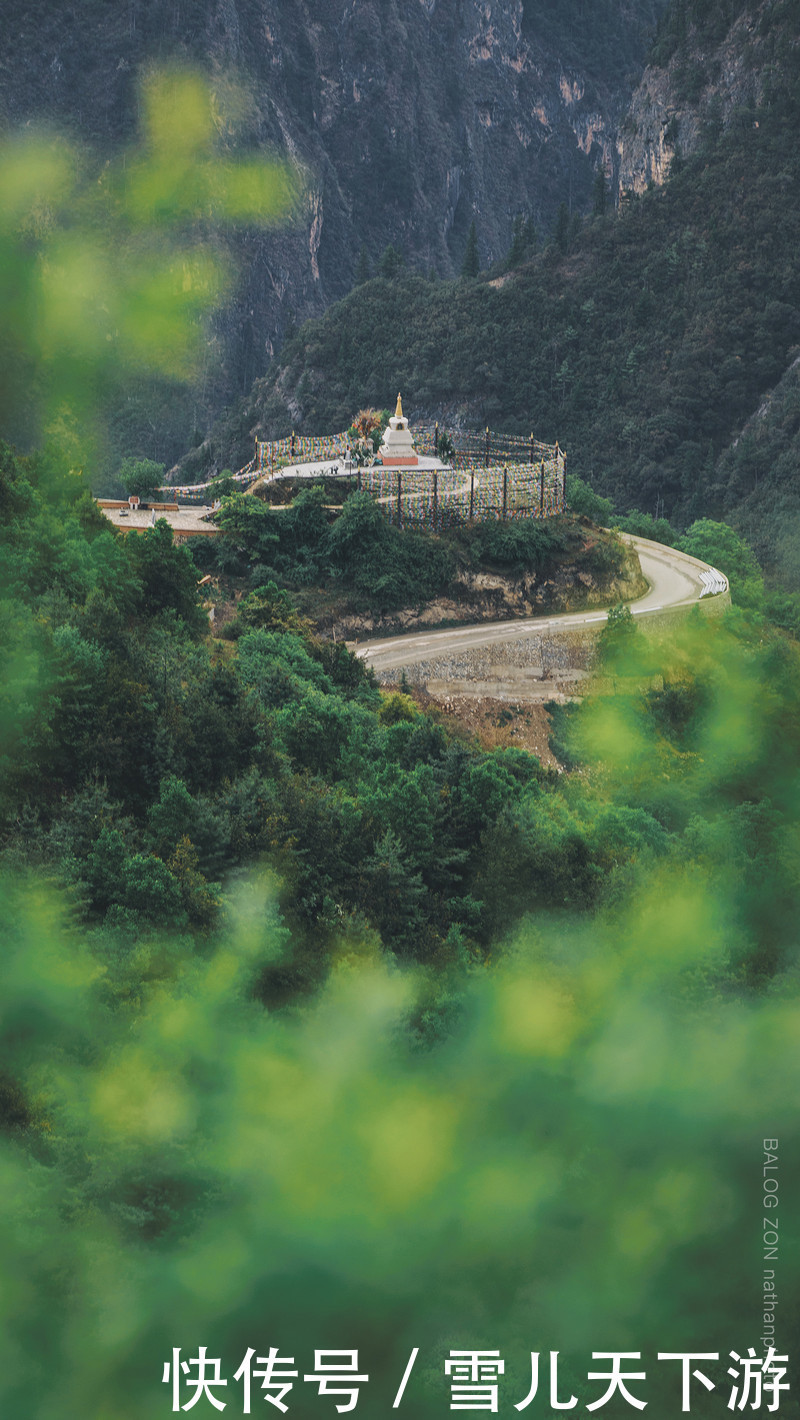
<point>322,1027</point>
<point>575,1167</point>
<point>107,269</point>
<point>546,1134</point>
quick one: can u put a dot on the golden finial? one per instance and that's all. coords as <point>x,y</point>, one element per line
<point>398,414</point>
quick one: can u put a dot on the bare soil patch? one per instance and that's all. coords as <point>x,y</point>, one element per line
<point>496,724</point>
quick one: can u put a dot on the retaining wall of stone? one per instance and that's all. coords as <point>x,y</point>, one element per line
<point>571,649</point>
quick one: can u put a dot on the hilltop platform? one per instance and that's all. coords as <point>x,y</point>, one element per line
<point>185,522</point>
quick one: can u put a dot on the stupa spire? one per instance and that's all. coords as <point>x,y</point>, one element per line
<point>397,446</point>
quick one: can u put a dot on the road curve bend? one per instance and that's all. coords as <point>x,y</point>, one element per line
<point>675,581</point>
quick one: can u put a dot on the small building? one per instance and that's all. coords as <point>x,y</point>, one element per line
<point>135,516</point>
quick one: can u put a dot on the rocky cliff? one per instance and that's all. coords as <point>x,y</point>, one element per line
<point>645,340</point>
<point>711,68</point>
<point>410,119</point>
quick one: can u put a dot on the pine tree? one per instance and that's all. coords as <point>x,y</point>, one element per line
<point>562,227</point>
<point>471,265</point>
<point>516,252</point>
<point>524,238</point>
<point>363,267</point>
<point>600,194</point>
<point>391,263</point>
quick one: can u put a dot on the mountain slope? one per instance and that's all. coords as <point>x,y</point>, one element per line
<point>758,480</point>
<point>643,344</point>
<point>409,119</point>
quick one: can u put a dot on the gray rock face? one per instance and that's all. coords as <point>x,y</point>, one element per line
<point>702,81</point>
<point>409,119</point>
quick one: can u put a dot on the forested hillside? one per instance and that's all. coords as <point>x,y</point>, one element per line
<point>301,990</point>
<point>757,479</point>
<point>643,340</point>
<point>326,1029</point>
<point>161,760</point>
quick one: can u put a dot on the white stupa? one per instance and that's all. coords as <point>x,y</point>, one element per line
<point>397,446</point>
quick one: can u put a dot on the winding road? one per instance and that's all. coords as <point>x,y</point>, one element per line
<point>676,581</point>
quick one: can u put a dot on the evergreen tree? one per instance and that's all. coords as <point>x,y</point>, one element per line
<point>471,265</point>
<point>141,476</point>
<point>600,194</point>
<point>391,263</point>
<point>562,228</point>
<point>517,249</point>
<point>363,267</point>
<point>523,240</point>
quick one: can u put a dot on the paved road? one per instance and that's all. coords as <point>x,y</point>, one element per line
<point>676,580</point>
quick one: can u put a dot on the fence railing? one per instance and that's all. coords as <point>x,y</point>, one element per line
<point>490,475</point>
<point>472,448</point>
<point>301,448</point>
<point>440,498</point>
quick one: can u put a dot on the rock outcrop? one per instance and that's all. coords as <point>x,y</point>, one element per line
<point>707,78</point>
<point>409,119</point>
<point>580,580</point>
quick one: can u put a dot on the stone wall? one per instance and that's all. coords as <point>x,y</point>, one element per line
<point>528,666</point>
<point>541,652</point>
